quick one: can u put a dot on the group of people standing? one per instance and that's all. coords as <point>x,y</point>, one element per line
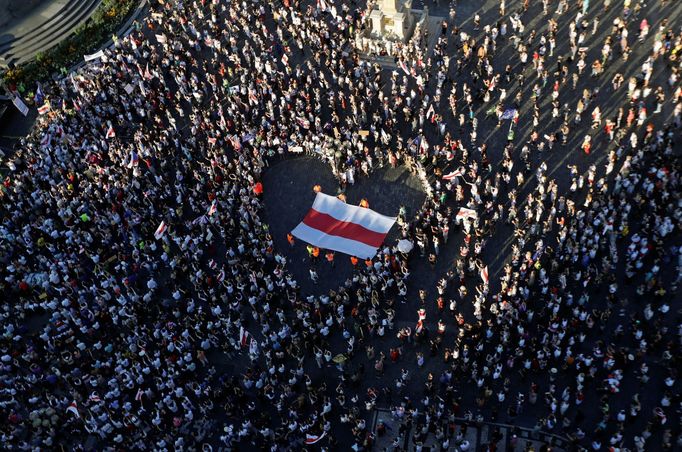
<point>146,304</point>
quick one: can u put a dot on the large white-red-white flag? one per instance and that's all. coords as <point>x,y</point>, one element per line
<point>334,225</point>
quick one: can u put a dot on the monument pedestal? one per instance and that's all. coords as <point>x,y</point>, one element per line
<point>392,24</point>
<point>392,19</point>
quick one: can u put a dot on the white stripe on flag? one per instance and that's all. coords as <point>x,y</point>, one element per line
<point>332,242</point>
<point>334,207</point>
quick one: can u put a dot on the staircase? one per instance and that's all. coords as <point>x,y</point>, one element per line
<point>43,28</point>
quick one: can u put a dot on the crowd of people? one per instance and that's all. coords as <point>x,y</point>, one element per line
<point>147,305</point>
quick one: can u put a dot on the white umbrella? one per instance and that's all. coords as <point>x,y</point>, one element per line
<point>405,246</point>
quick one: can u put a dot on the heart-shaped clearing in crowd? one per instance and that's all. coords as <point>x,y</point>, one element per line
<point>289,194</point>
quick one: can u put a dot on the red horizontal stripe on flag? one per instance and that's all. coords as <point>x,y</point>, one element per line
<point>351,231</point>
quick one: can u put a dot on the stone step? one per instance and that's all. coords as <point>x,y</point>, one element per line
<point>79,12</point>
<point>34,23</point>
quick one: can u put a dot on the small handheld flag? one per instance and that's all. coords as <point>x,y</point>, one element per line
<point>466,213</point>
<point>44,109</point>
<point>243,337</point>
<point>312,439</point>
<point>213,208</point>
<point>160,231</point>
<point>73,409</point>
<point>456,173</point>
<point>430,113</point>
